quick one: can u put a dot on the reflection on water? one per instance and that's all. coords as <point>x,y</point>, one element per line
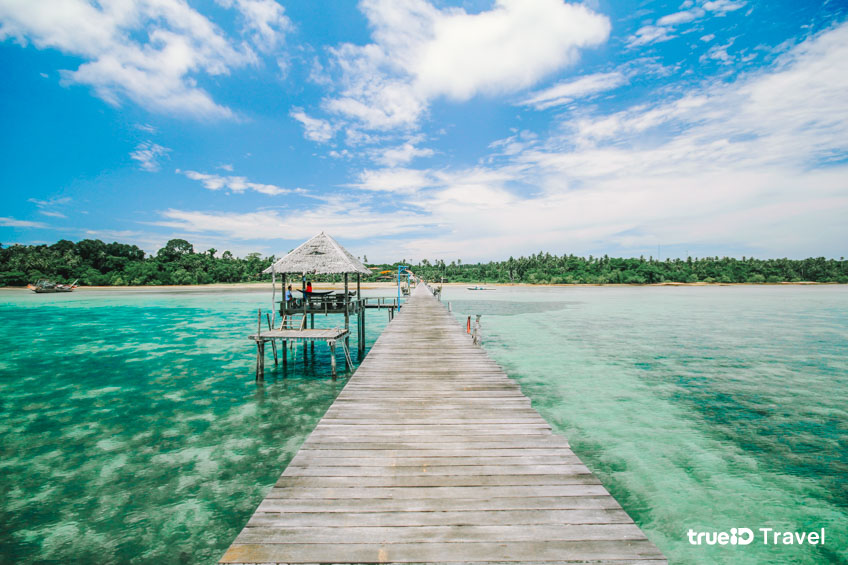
<point>703,408</point>
<point>131,428</point>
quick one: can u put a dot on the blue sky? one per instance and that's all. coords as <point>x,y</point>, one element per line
<point>414,129</point>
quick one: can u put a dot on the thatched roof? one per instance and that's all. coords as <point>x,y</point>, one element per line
<point>321,255</point>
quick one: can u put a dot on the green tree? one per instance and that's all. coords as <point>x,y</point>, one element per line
<point>174,249</point>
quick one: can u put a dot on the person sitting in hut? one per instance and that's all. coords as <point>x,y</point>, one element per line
<point>308,287</point>
<point>289,297</point>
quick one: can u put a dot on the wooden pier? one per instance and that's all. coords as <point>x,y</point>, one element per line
<point>331,336</point>
<point>307,333</point>
<point>432,454</point>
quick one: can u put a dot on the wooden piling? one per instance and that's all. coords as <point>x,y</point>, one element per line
<point>260,348</point>
<point>283,304</point>
<point>361,331</point>
<point>260,360</point>
<point>360,320</point>
<point>346,312</point>
<point>273,345</point>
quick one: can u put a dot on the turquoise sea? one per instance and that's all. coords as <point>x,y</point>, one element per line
<point>131,426</point>
<point>707,408</point>
<point>132,431</point>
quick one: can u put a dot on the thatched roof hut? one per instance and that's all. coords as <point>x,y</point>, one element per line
<point>320,255</point>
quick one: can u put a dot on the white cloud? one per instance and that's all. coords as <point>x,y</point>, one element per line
<point>13,223</point>
<point>567,91</point>
<point>50,202</point>
<point>343,154</point>
<point>398,180</point>
<point>682,17</point>
<point>344,218</point>
<point>401,155</point>
<point>503,50</point>
<point>649,34</point>
<point>233,183</point>
<point>717,53</point>
<point>148,51</point>
<point>355,136</point>
<point>421,53</point>
<point>723,6</point>
<point>318,75</point>
<point>264,20</point>
<point>663,28</point>
<point>48,207</point>
<point>148,154</point>
<point>313,128</point>
<point>114,235</point>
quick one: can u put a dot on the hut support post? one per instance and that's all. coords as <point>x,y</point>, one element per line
<point>347,314</point>
<point>362,330</point>
<point>312,326</point>
<point>273,343</point>
<point>283,303</point>
<point>333,356</point>
<point>360,342</point>
<point>260,360</point>
<point>303,282</point>
<point>348,360</point>
<point>305,300</point>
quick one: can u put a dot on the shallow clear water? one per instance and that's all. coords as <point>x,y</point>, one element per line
<point>699,407</point>
<point>132,431</point>
<point>131,427</point>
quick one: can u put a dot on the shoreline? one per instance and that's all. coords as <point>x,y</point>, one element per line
<point>385,285</point>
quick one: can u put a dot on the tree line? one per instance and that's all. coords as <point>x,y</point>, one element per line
<point>546,268</point>
<point>94,262</point>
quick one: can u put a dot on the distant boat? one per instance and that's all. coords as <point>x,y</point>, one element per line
<point>480,288</point>
<point>44,286</point>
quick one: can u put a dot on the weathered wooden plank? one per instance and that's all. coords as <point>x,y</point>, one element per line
<point>387,421</point>
<point>304,459</point>
<point>439,533</point>
<point>342,452</point>
<point>432,454</point>
<point>315,470</point>
<point>488,442</point>
<point>446,517</point>
<point>422,437</point>
<point>553,551</point>
<point>441,492</point>
<point>280,505</point>
<point>479,442</point>
<point>424,480</point>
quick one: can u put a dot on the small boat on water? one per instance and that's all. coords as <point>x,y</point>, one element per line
<point>45,286</point>
<point>480,288</point>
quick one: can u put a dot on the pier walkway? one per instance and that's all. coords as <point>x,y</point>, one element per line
<point>432,454</point>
